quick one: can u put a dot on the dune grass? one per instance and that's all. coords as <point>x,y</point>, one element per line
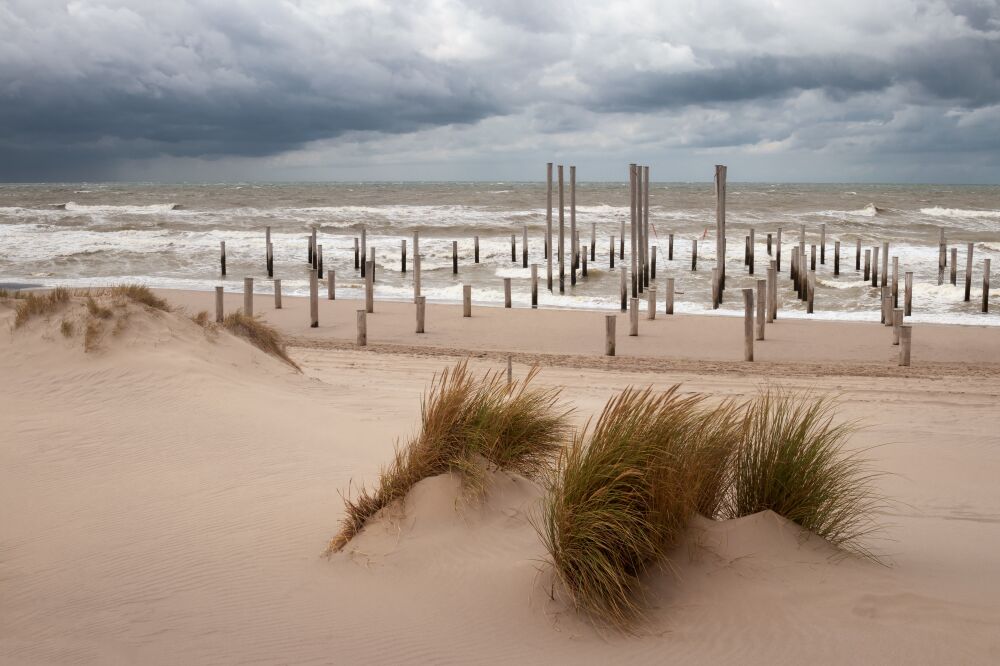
<point>138,293</point>
<point>262,336</point>
<point>97,310</point>
<point>620,498</point>
<point>792,461</point>
<point>66,328</point>
<point>34,305</point>
<point>469,425</point>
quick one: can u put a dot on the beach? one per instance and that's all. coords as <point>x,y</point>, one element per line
<point>168,496</point>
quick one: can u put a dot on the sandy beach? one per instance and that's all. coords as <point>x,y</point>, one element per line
<point>168,497</point>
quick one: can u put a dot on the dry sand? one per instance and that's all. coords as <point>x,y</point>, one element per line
<point>166,499</point>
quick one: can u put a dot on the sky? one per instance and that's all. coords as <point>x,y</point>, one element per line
<point>270,90</point>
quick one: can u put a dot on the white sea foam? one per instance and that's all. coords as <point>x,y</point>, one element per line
<point>961,213</point>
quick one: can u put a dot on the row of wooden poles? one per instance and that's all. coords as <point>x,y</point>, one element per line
<point>643,266</point>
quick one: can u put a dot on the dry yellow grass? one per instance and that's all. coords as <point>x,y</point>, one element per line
<point>266,338</point>
<point>138,293</point>
<point>34,305</point>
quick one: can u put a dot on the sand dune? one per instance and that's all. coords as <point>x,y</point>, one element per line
<point>167,498</point>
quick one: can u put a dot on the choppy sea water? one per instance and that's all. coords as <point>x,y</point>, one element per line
<point>81,234</point>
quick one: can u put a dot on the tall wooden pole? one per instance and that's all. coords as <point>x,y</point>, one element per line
<point>720,224</point>
<point>562,232</point>
<point>572,225</point>
<point>548,222</point>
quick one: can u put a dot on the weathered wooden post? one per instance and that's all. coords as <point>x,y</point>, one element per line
<point>887,306</point>
<point>612,264</point>
<point>548,224</point>
<point>454,257</point>
<point>534,286</point>
<point>633,316</point>
<point>836,258</point>
<point>248,296</point>
<point>506,292</point>
<point>769,253</point>
<point>761,307</point>
<point>623,289</point>
<point>748,324</point>
<point>416,265</point>
<point>720,225</point>
<point>752,248</point>
<point>868,265</point>
<point>812,257</point>
<point>314,298</point>
<point>583,266</point>
<point>810,290</point>
<point>885,262</point>
<point>905,341</point>
<point>908,294</point>
<point>715,288</point>
<point>562,232</point>
<point>822,243</point>
<point>777,252</point>
<point>466,300</point>
<point>364,250</point>
<point>746,250</point>
<point>524,247</point>
<point>331,285</point>
<point>645,225</point>
<point>986,285</point>
<point>222,257</point>
<point>768,316</point>
<point>652,263</point>
<point>402,255</point>
<point>319,261</point>
<point>357,255</point>
<point>895,282</point>
<point>572,224</point>
<point>954,266</point>
<point>968,272</point>
<point>475,249</point>
<point>670,296</point>
<point>610,323</point>
<point>314,260</point>
<point>370,287</point>
<point>267,250</point>
<point>421,312</point>
<point>857,257</point>
<point>670,247</point>
<point>634,203</point>
<point>362,338</point>
<point>651,303</point>
<point>942,257</point>
<point>772,299</point>
<point>270,260</point>
<point>593,242</point>
<point>694,254</point>
<point>277,293</point>
<point>219,315</point>
<point>897,322</point>
<point>875,266</point>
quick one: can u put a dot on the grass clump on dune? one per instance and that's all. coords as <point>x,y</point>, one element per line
<point>262,336</point>
<point>620,498</point>
<point>792,461</point>
<point>470,426</point>
<point>33,305</point>
<point>138,293</point>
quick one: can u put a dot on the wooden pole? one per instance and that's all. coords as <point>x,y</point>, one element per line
<point>670,247</point>
<point>634,242</point>
<point>751,248</point>
<point>812,257</point>
<point>652,263</point>
<point>857,256</point>
<point>895,282</point>
<point>769,248</point>
<point>610,323</point>
<point>651,303</point>
<point>905,341</point>
<point>222,257</point>
<point>968,272</point>
<point>314,259</point>
<point>513,248</point>
<point>370,287</point>
<point>612,264</point>
<point>645,226</point>
<point>748,324</point>
<point>466,300</point>
<point>416,265</point>
<point>908,294</point>
<point>694,254</point>
<point>277,294</point>
<point>868,265</point>
<point>319,261</point>
<point>875,266</point>
<point>772,299</point>
<point>506,292</point>
<point>270,260</point>
<point>562,232</point>
<point>593,242</point>
<point>942,256</point>
<point>314,298</point>
<point>623,289</point>
<point>720,224</point>
<point>885,262</point>
<point>777,252</point>
<point>633,317</point>
<point>715,288</point>
<point>583,267</point>
<point>475,250</point>
<point>670,296</point>
<point>267,250</point>
<point>548,221</point>
<point>986,285</point>
<point>810,290</point>
<point>836,258</point>
<point>421,312</point>
<point>534,286</point>
<point>248,296</point>
<point>331,285</point>
<point>954,266</point>
<point>897,322</point>
<point>822,243</point>
<point>357,255</point>
<point>887,306</point>
<point>572,225</point>
<point>746,250</point>
<point>402,256</point>
<point>454,257</point>
<point>524,247</point>
<point>761,307</point>
<point>364,250</point>
<point>362,339</point>
<point>219,315</point>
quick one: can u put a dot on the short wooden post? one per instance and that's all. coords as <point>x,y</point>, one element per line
<point>466,300</point>
<point>593,242</point>
<point>454,255</point>
<point>897,322</point>
<point>623,289</point>
<point>513,248</point>
<point>769,252</point>
<point>810,290</point>
<point>219,315</point>
<point>885,262</point>
<point>868,265</point>
<point>402,255</point>
<point>986,285</point>
<point>583,265</point>
<point>670,247</point>
<point>822,244</point>
<point>370,287</point>
<point>875,266</point>
<point>761,307</point>
<point>968,272</point>
<point>895,282</point>
<point>357,255</point>
<point>222,257</point>
<point>752,250</point>
<point>857,256</point>
<point>633,317</point>
<point>748,324</point>
<point>812,257</point>
<point>314,259</point>
<point>314,298</point>
<point>421,311</point>
<point>715,288</point>
<point>277,293</point>
<point>777,252</point>
<point>548,225</point>
<point>362,339</point>
<point>836,258</point>
<point>561,247</point>
<point>670,296</point>
<point>905,341</point>
<point>416,265</point>
<point>694,254</point>
<point>534,286</point>
<point>506,292</point>
<point>364,250</point>
<point>954,266</point>
<point>248,296</point>
<point>269,258</point>
<point>652,264</point>
<point>610,323</point>
<point>319,261</point>
<point>331,285</point>
<point>908,293</point>
<point>746,250</point>
<point>524,247</point>
<point>612,255</point>
<point>651,303</point>
<point>887,306</point>
<point>772,299</point>
<point>942,258</point>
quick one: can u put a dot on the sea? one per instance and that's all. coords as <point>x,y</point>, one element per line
<point>167,235</point>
